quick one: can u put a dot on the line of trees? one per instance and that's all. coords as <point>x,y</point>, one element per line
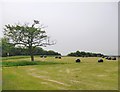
<point>11,50</point>
<point>85,54</point>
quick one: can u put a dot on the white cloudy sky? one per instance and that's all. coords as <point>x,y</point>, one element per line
<point>84,26</point>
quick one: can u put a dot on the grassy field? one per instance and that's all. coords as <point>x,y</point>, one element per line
<point>63,74</point>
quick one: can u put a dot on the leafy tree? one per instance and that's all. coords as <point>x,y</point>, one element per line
<point>29,36</point>
<point>78,53</point>
<point>39,51</point>
<point>20,51</point>
<point>6,47</point>
<point>51,52</point>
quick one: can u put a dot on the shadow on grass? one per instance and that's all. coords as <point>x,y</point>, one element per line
<point>25,63</point>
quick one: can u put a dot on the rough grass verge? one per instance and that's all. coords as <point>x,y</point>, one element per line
<point>25,63</point>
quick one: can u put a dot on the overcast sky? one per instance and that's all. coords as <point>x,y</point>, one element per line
<point>84,26</point>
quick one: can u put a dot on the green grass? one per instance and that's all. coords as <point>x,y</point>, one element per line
<point>25,63</point>
<point>14,57</point>
<point>60,74</point>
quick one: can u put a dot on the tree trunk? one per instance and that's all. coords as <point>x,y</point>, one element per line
<point>31,54</point>
<point>32,57</point>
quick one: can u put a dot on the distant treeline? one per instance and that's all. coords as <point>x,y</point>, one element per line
<point>85,54</point>
<point>9,49</point>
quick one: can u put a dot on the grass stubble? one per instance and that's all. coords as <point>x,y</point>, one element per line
<point>59,74</point>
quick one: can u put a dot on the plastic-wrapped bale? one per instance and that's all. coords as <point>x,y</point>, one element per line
<point>109,58</point>
<point>106,58</point>
<point>77,60</point>
<point>100,60</point>
<point>113,58</point>
<point>59,57</point>
<point>56,57</point>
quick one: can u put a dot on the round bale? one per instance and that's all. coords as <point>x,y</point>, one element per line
<point>56,57</point>
<point>106,58</point>
<point>113,58</point>
<point>109,58</point>
<point>100,60</point>
<point>77,60</point>
<point>59,57</point>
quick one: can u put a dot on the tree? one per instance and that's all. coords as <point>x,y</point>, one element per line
<point>78,53</point>
<point>51,52</point>
<point>6,47</point>
<point>29,36</point>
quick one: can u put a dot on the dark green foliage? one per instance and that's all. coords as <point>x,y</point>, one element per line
<point>50,52</point>
<point>18,63</point>
<point>25,63</point>
<point>6,47</point>
<point>14,57</point>
<point>16,51</point>
<point>85,54</point>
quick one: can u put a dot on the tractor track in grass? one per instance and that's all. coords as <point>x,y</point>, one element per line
<point>45,78</point>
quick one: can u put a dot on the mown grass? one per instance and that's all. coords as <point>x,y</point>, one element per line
<point>63,74</point>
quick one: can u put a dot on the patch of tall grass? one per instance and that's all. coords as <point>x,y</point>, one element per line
<point>25,63</point>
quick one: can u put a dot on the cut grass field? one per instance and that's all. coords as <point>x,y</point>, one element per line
<point>60,74</point>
